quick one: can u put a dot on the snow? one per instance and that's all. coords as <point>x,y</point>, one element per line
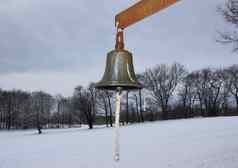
<point>193,143</point>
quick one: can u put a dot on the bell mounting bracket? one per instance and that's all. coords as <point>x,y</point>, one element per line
<point>119,39</point>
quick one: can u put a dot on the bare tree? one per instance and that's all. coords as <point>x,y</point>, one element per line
<point>230,14</point>
<point>151,109</point>
<point>109,97</point>
<point>102,104</point>
<point>187,94</point>
<point>65,112</point>
<point>127,106</point>
<point>232,73</point>
<point>59,110</point>
<point>162,82</point>
<point>93,95</point>
<point>1,109</point>
<point>83,103</point>
<point>209,85</point>
<point>135,97</point>
<point>21,109</point>
<point>6,109</point>
<point>225,94</point>
<point>9,110</point>
<point>140,78</point>
<point>215,91</point>
<point>42,104</point>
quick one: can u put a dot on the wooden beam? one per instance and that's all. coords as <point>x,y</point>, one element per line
<point>141,10</point>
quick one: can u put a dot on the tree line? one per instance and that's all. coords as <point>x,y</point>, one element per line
<point>169,92</point>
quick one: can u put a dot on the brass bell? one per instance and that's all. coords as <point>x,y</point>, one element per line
<point>119,71</point>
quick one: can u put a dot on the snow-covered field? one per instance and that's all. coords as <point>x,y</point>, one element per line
<point>195,143</point>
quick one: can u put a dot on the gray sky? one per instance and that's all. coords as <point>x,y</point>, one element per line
<point>58,44</point>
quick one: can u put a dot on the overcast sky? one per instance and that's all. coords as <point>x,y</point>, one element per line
<point>55,45</point>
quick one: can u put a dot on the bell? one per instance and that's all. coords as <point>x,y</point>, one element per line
<point>119,73</point>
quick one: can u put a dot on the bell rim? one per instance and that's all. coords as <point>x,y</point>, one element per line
<point>123,86</point>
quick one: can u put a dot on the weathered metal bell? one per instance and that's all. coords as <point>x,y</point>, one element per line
<point>119,72</point>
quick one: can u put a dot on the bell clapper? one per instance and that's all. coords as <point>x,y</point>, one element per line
<point>116,148</point>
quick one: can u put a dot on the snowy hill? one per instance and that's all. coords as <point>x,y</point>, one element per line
<point>195,143</point>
